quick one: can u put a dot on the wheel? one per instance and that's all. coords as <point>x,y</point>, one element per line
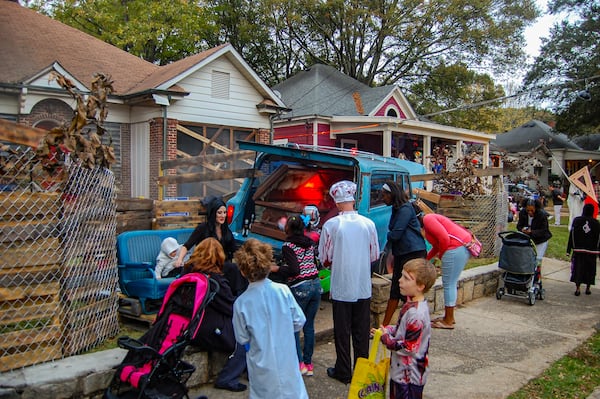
<point>541,294</point>
<point>532,298</point>
<point>499,293</point>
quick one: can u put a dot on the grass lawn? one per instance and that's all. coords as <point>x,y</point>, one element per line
<point>575,375</point>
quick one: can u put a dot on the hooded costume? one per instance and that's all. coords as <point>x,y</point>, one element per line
<point>165,263</point>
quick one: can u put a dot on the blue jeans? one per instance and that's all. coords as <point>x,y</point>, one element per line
<point>453,263</point>
<point>308,296</point>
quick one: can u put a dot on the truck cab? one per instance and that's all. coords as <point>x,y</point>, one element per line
<point>291,177</point>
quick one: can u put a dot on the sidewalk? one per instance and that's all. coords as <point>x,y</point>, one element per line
<point>496,347</point>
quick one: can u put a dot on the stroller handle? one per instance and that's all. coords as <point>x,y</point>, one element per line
<point>516,238</point>
<point>503,234</point>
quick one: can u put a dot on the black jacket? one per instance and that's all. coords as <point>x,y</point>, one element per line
<point>216,329</point>
<point>202,231</point>
<point>540,232</point>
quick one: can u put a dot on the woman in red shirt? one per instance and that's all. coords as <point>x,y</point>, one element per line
<point>447,241</point>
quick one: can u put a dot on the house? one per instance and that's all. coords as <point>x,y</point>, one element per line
<point>557,154</point>
<point>332,109</point>
<point>199,105</point>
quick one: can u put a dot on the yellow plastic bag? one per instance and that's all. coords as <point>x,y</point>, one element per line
<point>369,380</point>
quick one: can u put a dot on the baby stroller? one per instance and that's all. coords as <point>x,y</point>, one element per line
<point>520,271</point>
<point>153,368</point>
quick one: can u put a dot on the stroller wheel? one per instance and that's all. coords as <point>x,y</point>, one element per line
<point>541,294</point>
<point>499,293</point>
<point>532,296</point>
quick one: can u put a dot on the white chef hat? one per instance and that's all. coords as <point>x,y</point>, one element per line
<point>343,191</point>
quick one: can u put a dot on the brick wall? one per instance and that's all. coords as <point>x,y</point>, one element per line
<point>263,136</point>
<point>157,154</point>
<point>48,110</point>
<point>125,160</point>
<point>171,190</point>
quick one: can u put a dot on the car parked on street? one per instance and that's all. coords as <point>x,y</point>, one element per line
<point>517,192</point>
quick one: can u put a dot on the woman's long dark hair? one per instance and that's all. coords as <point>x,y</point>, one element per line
<point>212,205</point>
<point>399,196</point>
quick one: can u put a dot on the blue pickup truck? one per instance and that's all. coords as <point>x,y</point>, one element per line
<point>290,177</point>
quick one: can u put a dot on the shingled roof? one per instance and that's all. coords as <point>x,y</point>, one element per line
<point>531,134</point>
<point>32,42</point>
<point>323,90</point>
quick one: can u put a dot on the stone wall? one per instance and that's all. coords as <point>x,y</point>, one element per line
<point>473,283</point>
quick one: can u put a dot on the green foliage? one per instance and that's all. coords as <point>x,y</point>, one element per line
<point>571,58</point>
<point>508,118</point>
<point>381,42</point>
<point>157,31</point>
<point>449,87</point>
<point>378,42</point>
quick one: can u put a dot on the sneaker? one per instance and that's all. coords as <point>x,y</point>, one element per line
<point>309,370</point>
<point>303,368</point>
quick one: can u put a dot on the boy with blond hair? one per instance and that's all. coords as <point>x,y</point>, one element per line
<point>409,338</point>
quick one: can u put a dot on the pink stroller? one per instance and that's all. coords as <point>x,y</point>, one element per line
<point>153,367</point>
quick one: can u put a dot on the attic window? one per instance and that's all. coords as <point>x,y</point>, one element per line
<point>220,85</point>
<point>391,112</point>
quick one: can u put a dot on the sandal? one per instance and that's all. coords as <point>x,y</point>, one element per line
<point>440,324</point>
<point>441,318</point>
<point>588,292</point>
<point>577,293</point>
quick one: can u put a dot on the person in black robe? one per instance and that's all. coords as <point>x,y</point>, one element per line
<point>584,243</point>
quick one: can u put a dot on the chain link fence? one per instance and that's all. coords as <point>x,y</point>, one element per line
<point>484,215</point>
<point>58,273</point>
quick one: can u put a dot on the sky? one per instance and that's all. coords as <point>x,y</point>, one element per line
<point>540,29</point>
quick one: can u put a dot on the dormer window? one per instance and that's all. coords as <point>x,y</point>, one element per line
<point>391,112</point>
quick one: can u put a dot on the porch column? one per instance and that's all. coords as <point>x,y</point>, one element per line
<point>387,142</point>
<point>459,153</point>
<point>315,133</point>
<point>486,155</point>
<point>427,153</point>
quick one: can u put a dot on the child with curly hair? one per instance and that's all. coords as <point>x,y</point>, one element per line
<point>265,318</point>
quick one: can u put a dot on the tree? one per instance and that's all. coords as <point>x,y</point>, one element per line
<point>457,89</point>
<point>567,71</point>
<point>381,42</point>
<point>155,30</point>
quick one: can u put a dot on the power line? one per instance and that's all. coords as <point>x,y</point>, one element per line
<point>521,93</point>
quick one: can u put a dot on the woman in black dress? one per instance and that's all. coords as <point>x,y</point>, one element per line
<point>216,227</point>
<point>584,242</point>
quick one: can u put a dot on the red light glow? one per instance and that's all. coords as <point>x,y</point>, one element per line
<point>230,211</point>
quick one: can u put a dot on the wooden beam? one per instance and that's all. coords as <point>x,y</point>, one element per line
<point>478,173</point>
<point>213,158</point>
<point>197,136</point>
<point>212,140</point>
<point>427,195</point>
<point>21,134</point>
<point>207,176</point>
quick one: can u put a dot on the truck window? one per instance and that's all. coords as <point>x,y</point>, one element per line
<point>377,180</point>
